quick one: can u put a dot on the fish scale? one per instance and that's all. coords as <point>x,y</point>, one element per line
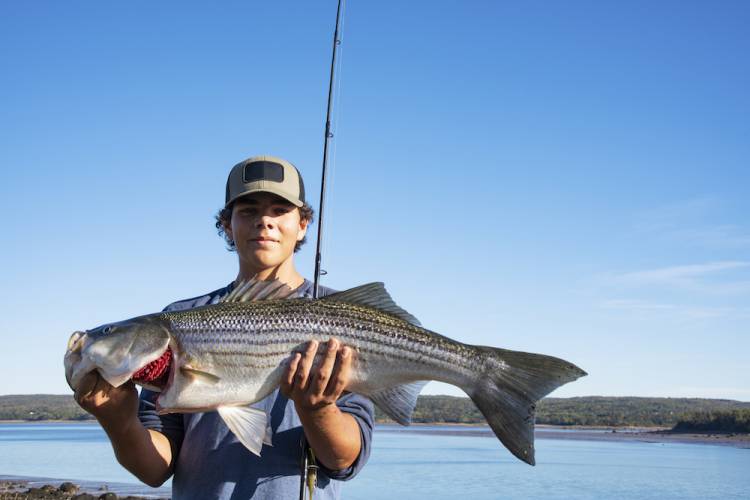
<point>275,327</point>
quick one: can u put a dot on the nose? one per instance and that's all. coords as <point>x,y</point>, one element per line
<point>265,220</point>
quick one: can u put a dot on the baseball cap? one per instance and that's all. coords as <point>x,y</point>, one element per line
<point>267,174</point>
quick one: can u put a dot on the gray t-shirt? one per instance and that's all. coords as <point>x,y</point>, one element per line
<point>212,464</point>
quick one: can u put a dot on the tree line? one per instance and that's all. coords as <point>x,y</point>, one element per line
<point>725,421</point>
<point>681,414</point>
<point>583,411</point>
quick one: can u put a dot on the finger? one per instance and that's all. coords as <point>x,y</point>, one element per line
<point>305,364</point>
<point>341,373</point>
<point>86,386</point>
<point>320,377</point>
<point>112,391</point>
<point>102,388</point>
<point>288,378</point>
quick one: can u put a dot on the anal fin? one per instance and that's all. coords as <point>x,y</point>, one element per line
<point>398,402</point>
<point>248,424</point>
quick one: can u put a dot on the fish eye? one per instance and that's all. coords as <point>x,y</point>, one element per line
<point>107,329</point>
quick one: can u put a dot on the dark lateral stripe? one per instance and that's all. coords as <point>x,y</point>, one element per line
<point>387,333</point>
<point>367,351</point>
<point>374,345</point>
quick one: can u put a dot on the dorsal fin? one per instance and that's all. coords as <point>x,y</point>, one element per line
<point>252,290</point>
<point>373,295</point>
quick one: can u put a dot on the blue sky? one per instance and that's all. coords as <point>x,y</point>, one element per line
<point>570,179</point>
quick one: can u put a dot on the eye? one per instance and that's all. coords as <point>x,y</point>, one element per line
<point>107,329</point>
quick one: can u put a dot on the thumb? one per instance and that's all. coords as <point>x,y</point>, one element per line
<point>86,385</point>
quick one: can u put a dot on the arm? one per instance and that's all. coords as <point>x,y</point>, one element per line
<point>333,435</point>
<point>145,453</point>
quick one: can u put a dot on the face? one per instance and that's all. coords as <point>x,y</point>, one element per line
<point>265,229</point>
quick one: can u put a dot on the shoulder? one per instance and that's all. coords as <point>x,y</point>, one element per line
<point>200,300</point>
<point>306,290</point>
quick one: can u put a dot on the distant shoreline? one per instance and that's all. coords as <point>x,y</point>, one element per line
<point>586,433</point>
<point>543,431</point>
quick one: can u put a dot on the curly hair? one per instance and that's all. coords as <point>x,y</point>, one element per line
<point>224,219</point>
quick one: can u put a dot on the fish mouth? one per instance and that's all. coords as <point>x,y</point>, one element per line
<point>76,365</point>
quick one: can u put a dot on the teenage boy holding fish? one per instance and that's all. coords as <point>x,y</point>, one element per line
<point>265,219</point>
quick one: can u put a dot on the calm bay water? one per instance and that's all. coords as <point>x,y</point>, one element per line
<point>423,465</point>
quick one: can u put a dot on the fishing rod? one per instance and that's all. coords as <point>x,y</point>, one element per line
<point>326,139</point>
<point>309,466</point>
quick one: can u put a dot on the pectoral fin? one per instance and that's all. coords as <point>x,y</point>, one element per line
<point>199,375</point>
<point>399,402</point>
<point>248,424</point>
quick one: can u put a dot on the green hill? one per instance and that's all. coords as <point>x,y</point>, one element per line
<point>690,413</point>
<point>589,410</point>
<point>41,407</point>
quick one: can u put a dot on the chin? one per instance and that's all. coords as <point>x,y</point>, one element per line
<point>262,260</point>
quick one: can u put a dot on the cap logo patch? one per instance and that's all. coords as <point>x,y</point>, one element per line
<point>263,171</point>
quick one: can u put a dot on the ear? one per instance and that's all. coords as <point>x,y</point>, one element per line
<point>303,223</point>
<point>228,231</point>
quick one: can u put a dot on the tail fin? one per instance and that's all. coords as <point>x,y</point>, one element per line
<point>509,387</point>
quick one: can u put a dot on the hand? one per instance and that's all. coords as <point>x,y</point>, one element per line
<point>112,406</point>
<point>316,387</point>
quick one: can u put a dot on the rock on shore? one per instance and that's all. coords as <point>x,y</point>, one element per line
<point>20,490</point>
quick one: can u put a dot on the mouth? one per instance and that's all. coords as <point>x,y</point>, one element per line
<point>156,373</point>
<point>263,240</point>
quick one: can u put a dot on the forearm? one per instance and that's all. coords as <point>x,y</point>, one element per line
<point>147,454</point>
<point>333,435</point>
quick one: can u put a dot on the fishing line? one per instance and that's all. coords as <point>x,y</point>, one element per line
<point>327,238</point>
<point>327,137</point>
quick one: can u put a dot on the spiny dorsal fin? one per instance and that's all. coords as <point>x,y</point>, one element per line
<point>373,295</point>
<point>252,290</point>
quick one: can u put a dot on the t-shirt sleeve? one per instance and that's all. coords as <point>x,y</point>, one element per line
<point>171,424</point>
<point>362,410</point>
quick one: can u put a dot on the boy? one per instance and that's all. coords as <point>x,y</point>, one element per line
<point>264,219</point>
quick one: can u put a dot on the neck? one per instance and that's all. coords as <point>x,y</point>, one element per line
<point>284,272</point>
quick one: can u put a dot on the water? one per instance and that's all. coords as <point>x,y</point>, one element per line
<point>438,462</point>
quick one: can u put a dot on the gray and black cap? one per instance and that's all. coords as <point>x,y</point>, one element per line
<point>267,174</point>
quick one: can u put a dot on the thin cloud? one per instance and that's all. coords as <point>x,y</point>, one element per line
<point>650,309</point>
<point>635,305</point>
<point>721,236</point>
<point>694,222</point>
<point>677,275</point>
<point>673,214</point>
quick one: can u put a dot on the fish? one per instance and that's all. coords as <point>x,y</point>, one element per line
<point>229,355</point>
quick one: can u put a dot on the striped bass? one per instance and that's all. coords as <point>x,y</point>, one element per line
<point>229,355</point>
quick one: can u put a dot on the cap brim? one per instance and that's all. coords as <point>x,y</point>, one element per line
<point>278,192</point>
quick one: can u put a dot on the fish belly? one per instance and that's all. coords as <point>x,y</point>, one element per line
<point>203,378</point>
